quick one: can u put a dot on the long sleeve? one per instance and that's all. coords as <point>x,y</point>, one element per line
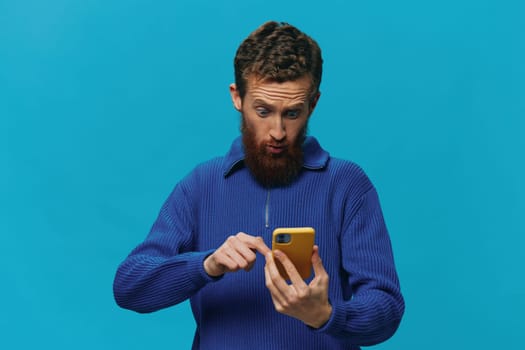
<point>163,270</point>
<point>219,198</point>
<point>375,310</point>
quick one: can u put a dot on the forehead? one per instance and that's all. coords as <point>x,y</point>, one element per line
<point>295,91</point>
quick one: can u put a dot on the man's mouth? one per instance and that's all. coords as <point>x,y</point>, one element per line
<point>276,149</point>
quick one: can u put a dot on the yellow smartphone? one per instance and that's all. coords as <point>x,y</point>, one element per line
<point>298,244</point>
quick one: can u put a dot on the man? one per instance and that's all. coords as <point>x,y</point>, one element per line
<point>210,240</point>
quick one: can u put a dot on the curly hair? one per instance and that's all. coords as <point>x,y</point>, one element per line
<point>280,52</point>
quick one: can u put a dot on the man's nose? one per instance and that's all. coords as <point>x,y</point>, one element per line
<point>278,130</point>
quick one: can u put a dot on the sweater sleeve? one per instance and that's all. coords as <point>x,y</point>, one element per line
<point>163,270</point>
<point>374,312</point>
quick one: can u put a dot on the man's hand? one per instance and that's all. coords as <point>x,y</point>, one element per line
<point>308,303</point>
<point>237,252</point>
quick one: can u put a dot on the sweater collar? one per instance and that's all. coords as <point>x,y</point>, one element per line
<point>315,157</point>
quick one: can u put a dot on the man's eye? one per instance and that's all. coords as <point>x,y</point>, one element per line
<point>262,112</point>
<point>292,114</point>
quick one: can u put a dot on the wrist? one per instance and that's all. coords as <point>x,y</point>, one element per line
<point>211,268</point>
<point>322,317</point>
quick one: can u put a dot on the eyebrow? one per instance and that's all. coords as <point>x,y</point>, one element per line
<point>295,106</point>
<point>260,102</point>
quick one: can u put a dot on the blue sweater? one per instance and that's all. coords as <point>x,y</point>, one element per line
<point>220,198</point>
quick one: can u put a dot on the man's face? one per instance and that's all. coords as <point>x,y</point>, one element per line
<point>274,121</point>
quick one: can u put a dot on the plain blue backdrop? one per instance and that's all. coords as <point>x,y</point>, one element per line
<point>105,105</point>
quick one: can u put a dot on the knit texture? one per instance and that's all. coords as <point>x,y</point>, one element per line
<point>220,198</point>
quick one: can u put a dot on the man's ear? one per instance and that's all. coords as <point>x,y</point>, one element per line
<point>236,97</point>
<point>314,101</point>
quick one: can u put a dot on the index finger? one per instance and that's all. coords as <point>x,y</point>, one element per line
<point>254,242</point>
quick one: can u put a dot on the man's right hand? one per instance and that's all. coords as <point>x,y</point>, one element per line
<point>237,252</point>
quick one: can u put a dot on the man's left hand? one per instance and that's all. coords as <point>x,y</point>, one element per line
<point>306,302</point>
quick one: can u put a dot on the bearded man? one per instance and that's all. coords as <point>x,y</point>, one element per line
<point>210,241</point>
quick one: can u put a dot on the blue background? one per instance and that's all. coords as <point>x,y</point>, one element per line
<point>105,105</point>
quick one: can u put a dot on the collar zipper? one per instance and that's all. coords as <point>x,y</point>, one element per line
<point>267,210</point>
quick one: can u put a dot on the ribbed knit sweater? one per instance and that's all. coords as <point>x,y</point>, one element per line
<point>220,198</point>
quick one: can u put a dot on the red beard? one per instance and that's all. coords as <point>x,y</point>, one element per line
<point>272,170</point>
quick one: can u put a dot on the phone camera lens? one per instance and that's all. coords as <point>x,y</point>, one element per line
<point>283,238</point>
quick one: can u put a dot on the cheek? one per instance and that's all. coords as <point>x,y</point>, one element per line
<point>295,130</point>
<point>259,134</point>
<point>257,126</point>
